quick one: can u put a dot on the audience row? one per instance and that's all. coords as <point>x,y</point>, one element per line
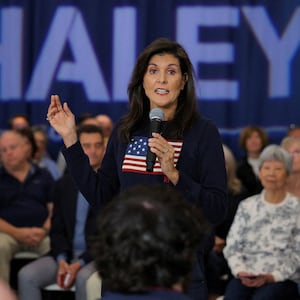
<point>256,246</point>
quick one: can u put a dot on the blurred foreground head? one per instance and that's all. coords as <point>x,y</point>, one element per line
<point>147,237</point>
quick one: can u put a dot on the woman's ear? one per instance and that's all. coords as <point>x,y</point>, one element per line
<point>184,80</point>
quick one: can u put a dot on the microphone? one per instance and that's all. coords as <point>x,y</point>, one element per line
<point>156,116</point>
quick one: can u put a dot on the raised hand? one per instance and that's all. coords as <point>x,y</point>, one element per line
<point>62,120</point>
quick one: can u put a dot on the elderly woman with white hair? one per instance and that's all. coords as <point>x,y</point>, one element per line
<point>263,244</point>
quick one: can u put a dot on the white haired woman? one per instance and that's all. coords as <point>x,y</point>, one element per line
<point>263,243</point>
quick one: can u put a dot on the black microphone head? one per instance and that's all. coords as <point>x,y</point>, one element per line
<point>156,114</point>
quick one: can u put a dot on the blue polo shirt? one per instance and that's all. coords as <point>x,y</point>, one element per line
<point>79,244</point>
<point>24,204</point>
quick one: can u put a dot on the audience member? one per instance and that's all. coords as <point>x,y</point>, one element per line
<point>84,119</point>
<point>106,124</point>
<point>25,207</point>
<point>217,269</point>
<point>294,130</point>
<point>263,243</point>
<point>146,244</point>
<point>253,140</point>
<point>292,145</point>
<point>73,223</point>
<point>188,151</point>
<point>19,121</point>
<point>41,156</point>
<point>87,118</point>
<point>236,193</point>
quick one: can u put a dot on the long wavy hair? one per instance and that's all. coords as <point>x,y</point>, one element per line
<point>139,104</point>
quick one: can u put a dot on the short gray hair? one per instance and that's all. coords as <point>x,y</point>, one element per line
<point>276,152</point>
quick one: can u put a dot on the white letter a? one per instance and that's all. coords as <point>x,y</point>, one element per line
<point>68,26</point>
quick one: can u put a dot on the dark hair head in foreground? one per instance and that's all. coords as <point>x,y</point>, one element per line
<point>147,237</point>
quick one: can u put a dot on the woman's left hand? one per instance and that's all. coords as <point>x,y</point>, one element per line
<point>165,154</point>
<point>258,280</point>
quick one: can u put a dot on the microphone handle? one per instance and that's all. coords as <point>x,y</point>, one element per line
<point>150,160</point>
<point>155,126</point>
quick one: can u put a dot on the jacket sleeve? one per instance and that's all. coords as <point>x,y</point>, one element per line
<point>58,233</point>
<point>202,173</point>
<point>98,188</point>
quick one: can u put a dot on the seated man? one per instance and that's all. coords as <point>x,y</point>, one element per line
<point>146,243</point>
<point>25,207</point>
<point>73,222</point>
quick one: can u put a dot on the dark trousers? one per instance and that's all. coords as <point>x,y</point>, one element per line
<point>197,289</point>
<point>273,291</point>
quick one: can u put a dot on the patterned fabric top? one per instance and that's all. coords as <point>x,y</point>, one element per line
<point>265,238</point>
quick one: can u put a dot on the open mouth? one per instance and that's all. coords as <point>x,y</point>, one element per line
<point>161,91</point>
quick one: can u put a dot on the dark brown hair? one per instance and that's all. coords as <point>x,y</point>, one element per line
<point>186,112</point>
<point>246,133</point>
<point>152,248</point>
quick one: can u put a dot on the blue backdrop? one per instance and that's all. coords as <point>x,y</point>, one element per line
<point>245,54</point>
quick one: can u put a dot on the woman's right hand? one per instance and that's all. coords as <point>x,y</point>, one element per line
<point>62,120</point>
